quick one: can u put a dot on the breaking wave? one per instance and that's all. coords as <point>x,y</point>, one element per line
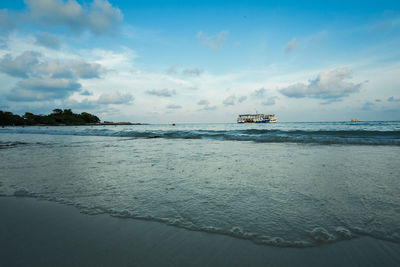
<point>354,137</point>
<point>314,237</point>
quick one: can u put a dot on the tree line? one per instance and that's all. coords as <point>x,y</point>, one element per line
<point>57,117</point>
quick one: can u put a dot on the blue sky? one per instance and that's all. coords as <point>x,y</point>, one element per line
<point>202,61</point>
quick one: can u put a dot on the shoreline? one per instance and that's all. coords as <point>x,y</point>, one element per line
<point>43,233</point>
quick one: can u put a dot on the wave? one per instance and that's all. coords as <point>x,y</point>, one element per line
<point>311,237</point>
<point>4,145</point>
<point>314,237</point>
<point>356,137</point>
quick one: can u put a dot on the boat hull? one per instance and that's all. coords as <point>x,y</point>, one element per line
<point>257,122</point>
<point>257,118</point>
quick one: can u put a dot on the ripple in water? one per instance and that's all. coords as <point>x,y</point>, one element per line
<point>279,194</point>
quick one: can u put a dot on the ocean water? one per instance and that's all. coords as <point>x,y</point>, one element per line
<point>283,184</point>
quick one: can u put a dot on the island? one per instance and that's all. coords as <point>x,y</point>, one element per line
<point>58,117</point>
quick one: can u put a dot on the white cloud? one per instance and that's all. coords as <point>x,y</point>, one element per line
<point>21,65</point>
<point>173,106</point>
<point>269,102</point>
<point>206,105</point>
<point>178,69</point>
<point>70,69</point>
<point>385,25</point>
<point>203,102</point>
<point>86,93</point>
<point>260,93</point>
<point>99,17</point>
<point>292,45</point>
<point>242,99</point>
<point>209,108</point>
<point>46,81</point>
<point>48,40</point>
<point>103,17</point>
<point>368,106</point>
<point>6,22</point>
<point>27,64</point>
<point>392,99</point>
<point>194,71</point>
<point>229,101</point>
<point>161,92</point>
<point>43,89</point>
<point>213,42</point>
<point>173,69</point>
<point>265,96</point>
<point>85,70</point>
<point>328,85</point>
<point>115,98</point>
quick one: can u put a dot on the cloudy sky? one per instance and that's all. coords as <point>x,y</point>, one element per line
<point>202,61</point>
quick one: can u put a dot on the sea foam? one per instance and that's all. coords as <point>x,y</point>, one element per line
<point>320,234</point>
<point>22,192</point>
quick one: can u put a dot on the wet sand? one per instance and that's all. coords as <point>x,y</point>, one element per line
<point>42,233</point>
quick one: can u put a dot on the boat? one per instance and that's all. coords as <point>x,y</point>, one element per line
<point>354,120</point>
<point>257,118</point>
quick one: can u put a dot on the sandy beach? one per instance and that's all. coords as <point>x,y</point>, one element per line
<point>42,233</point>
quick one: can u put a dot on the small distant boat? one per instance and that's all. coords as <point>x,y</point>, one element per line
<point>257,118</point>
<point>354,120</point>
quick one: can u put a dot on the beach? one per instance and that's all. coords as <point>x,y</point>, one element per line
<point>307,194</point>
<point>42,233</point>
<point>199,133</point>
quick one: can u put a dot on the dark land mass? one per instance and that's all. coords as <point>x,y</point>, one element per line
<point>58,117</point>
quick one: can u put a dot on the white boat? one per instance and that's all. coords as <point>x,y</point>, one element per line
<point>257,118</point>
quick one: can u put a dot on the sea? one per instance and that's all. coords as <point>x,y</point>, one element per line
<point>300,184</point>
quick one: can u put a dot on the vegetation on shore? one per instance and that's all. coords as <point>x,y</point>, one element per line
<point>57,117</point>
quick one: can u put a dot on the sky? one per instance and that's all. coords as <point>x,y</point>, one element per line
<point>202,61</point>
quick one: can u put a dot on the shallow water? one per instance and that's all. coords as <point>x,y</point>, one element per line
<point>362,133</point>
<point>283,193</point>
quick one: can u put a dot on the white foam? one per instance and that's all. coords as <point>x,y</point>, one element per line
<point>22,192</point>
<point>211,229</point>
<point>236,230</point>
<point>300,244</point>
<point>92,211</point>
<point>396,236</point>
<point>359,230</point>
<point>125,213</point>
<point>272,241</point>
<point>320,234</point>
<point>277,241</point>
<point>343,232</point>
